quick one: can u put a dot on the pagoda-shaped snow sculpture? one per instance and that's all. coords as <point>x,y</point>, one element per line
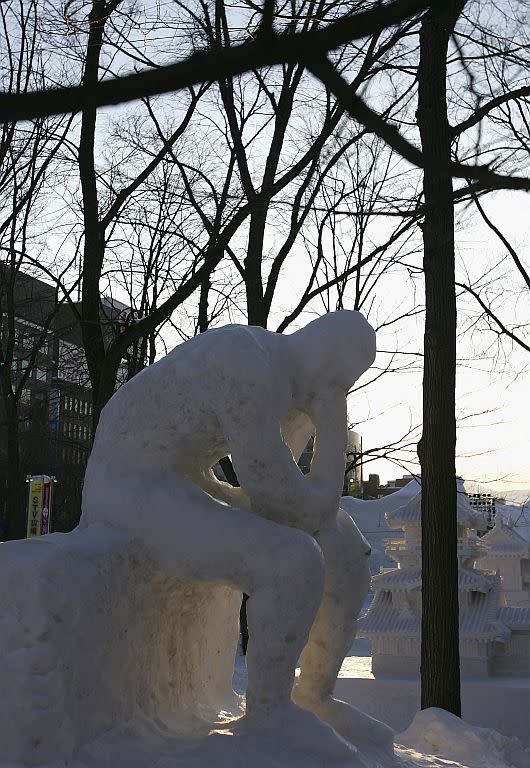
<point>509,554</point>
<point>494,640</point>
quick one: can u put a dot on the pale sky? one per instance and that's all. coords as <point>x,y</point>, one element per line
<point>494,446</point>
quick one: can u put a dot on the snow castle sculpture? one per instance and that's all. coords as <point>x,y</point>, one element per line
<point>509,554</point>
<point>135,612</point>
<point>494,639</point>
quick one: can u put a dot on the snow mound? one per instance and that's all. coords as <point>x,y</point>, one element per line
<point>437,732</point>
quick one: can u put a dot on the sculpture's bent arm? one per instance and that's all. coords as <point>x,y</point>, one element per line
<point>255,403</point>
<point>271,479</point>
<point>264,463</point>
<point>328,413</point>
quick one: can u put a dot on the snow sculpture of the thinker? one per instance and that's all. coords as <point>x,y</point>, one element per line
<point>281,538</point>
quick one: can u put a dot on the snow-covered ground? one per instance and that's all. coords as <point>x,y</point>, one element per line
<point>435,733</point>
<point>434,739</point>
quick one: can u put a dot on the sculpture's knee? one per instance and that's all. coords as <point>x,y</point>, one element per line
<point>283,606</point>
<point>301,571</point>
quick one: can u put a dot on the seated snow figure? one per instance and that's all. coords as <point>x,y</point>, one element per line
<point>281,537</point>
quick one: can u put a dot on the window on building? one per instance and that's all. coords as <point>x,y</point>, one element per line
<point>41,374</point>
<point>23,339</point>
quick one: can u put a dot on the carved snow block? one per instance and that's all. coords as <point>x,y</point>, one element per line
<point>91,634</point>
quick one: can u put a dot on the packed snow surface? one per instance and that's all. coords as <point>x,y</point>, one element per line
<point>435,739</point>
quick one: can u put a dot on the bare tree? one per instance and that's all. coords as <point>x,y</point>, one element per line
<point>28,162</point>
<point>492,120</point>
<point>440,660</point>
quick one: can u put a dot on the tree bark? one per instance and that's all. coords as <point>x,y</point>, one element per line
<point>203,320</point>
<point>440,663</point>
<point>15,513</point>
<point>94,234</point>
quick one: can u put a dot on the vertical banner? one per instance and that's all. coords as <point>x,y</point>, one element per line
<point>46,506</point>
<point>39,505</point>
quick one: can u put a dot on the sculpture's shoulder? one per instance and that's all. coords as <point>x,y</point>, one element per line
<point>246,352</point>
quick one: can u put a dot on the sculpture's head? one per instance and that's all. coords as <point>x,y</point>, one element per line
<point>334,349</point>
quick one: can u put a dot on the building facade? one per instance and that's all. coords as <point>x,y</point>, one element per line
<point>55,404</point>
<point>372,488</point>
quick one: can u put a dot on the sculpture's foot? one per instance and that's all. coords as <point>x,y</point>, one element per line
<point>366,733</point>
<point>300,731</point>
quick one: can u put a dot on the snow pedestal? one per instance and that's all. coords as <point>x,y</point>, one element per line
<point>91,635</point>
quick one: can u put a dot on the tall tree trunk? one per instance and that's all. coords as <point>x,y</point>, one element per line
<point>203,320</point>
<point>440,663</point>
<point>94,244</point>
<point>256,310</point>
<point>15,512</point>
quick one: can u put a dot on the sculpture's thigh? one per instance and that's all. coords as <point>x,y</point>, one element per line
<point>185,531</point>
